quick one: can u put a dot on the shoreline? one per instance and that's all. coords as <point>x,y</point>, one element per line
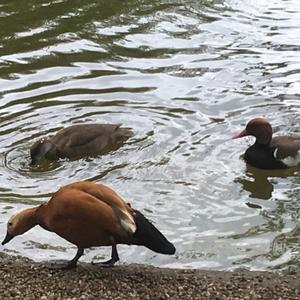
<point>25,279</point>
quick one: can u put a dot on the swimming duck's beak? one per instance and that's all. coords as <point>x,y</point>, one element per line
<point>32,163</point>
<point>7,238</point>
<point>241,134</point>
<point>39,154</point>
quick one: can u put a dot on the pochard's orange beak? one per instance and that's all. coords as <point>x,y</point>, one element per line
<point>7,238</point>
<point>241,134</point>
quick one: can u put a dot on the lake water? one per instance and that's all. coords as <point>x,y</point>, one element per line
<point>186,76</point>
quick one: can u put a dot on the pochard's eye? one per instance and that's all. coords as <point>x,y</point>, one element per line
<point>9,223</point>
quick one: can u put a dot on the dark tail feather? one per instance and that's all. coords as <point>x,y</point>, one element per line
<point>149,236</point>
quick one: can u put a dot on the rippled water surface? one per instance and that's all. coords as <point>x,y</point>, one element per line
<point>185,75</point>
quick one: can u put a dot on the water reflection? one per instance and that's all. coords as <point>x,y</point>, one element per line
<point>256,183</point>
<point>260,183</point>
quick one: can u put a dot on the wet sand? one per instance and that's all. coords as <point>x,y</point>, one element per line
<point>24,279</point>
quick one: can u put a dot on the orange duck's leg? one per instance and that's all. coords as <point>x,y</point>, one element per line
<point>112,261</point>
<point>70,264</point>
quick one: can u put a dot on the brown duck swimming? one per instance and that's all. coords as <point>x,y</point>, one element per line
<point>79,141</point>
<point>88,214</point>
<point>270,153</point>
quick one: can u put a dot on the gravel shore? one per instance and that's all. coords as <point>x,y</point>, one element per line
<point>23,279</point>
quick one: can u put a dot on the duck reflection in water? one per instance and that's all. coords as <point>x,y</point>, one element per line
<point>259,183</point>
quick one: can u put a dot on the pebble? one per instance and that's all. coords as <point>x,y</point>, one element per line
<point>23,279</point>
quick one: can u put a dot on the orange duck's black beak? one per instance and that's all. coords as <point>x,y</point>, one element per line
<point>7,238</point>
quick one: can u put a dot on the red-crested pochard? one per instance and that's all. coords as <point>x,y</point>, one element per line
<point>80,140</point>
<point>88,214</point>
<point>270,153</point>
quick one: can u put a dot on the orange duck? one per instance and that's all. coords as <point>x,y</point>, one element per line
<point>80,140</point>
<point>88,214</point>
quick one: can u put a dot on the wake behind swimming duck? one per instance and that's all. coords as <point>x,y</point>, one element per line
<point>89,214</point>
<point>80,140</point>
<point>270,153</point>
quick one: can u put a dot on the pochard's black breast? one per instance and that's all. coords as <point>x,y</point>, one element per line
<point>261,156</point>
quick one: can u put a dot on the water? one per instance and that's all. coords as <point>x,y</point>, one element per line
<point>186,76</point>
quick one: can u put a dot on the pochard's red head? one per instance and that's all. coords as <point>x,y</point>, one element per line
<point>259,128</point>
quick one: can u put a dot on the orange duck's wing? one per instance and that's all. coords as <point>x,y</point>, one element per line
<point>82,219</point>
<point>107,195</point>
